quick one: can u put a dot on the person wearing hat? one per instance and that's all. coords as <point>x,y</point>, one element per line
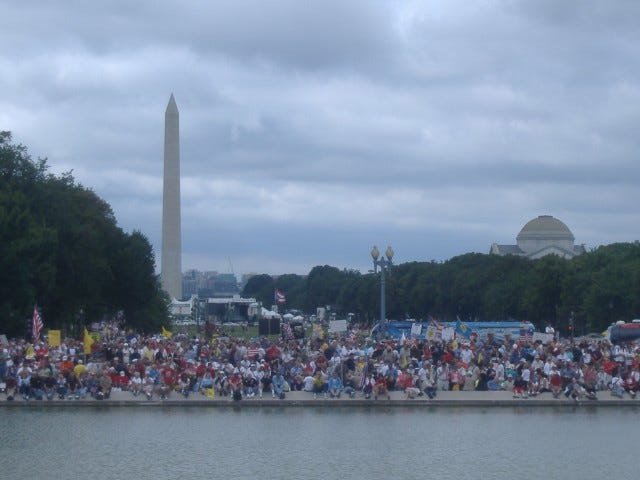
<point>121,381</point>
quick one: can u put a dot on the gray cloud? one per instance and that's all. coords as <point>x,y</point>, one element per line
<point>311,130</point>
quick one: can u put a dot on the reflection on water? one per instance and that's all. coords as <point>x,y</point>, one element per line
<point>315,443</point>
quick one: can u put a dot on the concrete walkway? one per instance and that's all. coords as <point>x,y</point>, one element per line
<point>304,399</point>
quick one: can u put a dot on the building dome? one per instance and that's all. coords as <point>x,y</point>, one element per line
<point>546,226</point>
<point>545,231</point>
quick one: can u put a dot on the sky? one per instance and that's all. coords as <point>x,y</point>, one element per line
<point>312,130</point>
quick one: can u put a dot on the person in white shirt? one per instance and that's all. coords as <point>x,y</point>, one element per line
<point>466,354</point>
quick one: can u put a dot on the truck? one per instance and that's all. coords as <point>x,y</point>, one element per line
<point>621,331</point>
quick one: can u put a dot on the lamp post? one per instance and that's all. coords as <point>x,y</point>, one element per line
<point>384,264</point>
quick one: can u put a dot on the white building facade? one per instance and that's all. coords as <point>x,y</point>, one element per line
<point>544,235</point>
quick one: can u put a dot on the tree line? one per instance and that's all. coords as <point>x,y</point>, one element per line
<point>586,293</point>
<point>62,251</point>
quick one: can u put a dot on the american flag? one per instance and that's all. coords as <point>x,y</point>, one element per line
<point>36,325</point>
<point>280,298</point>
<point>525,335</point>
<point>438,325</point>
<point>287,332</point>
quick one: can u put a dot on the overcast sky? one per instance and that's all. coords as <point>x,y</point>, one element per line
<point>312,130</point>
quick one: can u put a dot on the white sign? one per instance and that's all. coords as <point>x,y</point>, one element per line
<point>416,329</point>
<point>447,334</point>
<point>432,332</point>
<point>337,326</point>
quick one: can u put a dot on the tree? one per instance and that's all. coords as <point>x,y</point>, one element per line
<point>63,251</point>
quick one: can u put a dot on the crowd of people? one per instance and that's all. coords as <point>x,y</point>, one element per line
<point>348,366</point>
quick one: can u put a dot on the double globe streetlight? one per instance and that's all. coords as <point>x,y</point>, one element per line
<point>384,264</point>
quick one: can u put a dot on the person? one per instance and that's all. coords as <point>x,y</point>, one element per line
<point>617,386</point>
<point>11,385</point>
<point>631,383</point>
<point>135,384</point>
<point>235,385</point>
<point>265,381</point>
<point>442,375</point>
<point>555,382</point>
<point>429,385</point>
<point>308,383</point>
<point>49,385</point>
<point>519,387</point>
<point>380,387</point>
<point>455,379</point>
<point>206,382</point>
<point>335,386</point>
<point>73,386</point>
<point>184,385</point>
<point>319,385</point>
<point>104,385</point>
<point>61,385</point>
<point>277,385</point>
<point>350,385</point>
<point>405,379</point>
<point>148,385</point>
<point>163,389</point>
<point>37,386</point>
<point>221,384</point>
<point>121,381</point>
<point>24,383</point>
<point>410,389</point>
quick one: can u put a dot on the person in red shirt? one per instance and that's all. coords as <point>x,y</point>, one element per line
<point>555,382</point>
<point>404,380</point>
<point>168,375</point>
<point>66,365</point>
<point>121,381</point>
<point>448,356</point>
<point>631,383</point>
<point>380,388</point>
<point>235,384</point>
<point>273,353</point>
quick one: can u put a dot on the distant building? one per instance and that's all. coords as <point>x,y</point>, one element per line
<point>209,284</point>
<point>542,236</point>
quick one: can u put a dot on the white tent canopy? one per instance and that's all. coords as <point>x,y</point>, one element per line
<point>269,314</point>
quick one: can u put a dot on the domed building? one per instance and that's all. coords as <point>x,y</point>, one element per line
<point>542,236</point>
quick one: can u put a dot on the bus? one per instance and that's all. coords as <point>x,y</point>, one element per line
<point>426,329</point>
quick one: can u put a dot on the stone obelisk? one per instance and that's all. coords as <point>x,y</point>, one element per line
<point>171,267</point>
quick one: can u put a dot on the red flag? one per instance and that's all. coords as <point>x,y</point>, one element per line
<point>36,325</point>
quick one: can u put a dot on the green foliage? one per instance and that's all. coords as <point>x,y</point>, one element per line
<point>262,288</point>
<point>62,250</point>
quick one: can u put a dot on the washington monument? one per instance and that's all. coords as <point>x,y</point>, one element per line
<point>171,267</point>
